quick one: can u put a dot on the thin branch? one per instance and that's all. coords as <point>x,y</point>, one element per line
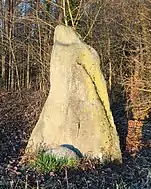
<point>70,13</point>
<point>92,24</point>
<point>145,90</point>
<point>64,13</point>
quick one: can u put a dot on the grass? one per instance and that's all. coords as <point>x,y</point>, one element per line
<point>46,163</point>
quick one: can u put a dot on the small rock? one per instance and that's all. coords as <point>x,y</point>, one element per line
<point>65,151</point>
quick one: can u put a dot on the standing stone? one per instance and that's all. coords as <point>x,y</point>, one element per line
<point>77,110</point>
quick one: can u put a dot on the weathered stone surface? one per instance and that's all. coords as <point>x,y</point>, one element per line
<point>65,151</point>
<point>77,110</point>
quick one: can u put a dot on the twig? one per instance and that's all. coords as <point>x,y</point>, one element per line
<point>70,13</point>
<point>26,182</point>
<point>145,90</point>
<point>92,24</point>
<point>66,177</point>
<point>64,13</point>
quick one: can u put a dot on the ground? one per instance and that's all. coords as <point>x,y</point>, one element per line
<point>19,112</point>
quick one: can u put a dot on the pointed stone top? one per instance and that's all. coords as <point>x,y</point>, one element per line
<point>65,35</point>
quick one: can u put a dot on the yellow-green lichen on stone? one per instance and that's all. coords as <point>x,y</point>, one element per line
<point>92,68</point>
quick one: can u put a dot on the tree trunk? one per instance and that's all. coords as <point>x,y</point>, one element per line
<point>2,45</point>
